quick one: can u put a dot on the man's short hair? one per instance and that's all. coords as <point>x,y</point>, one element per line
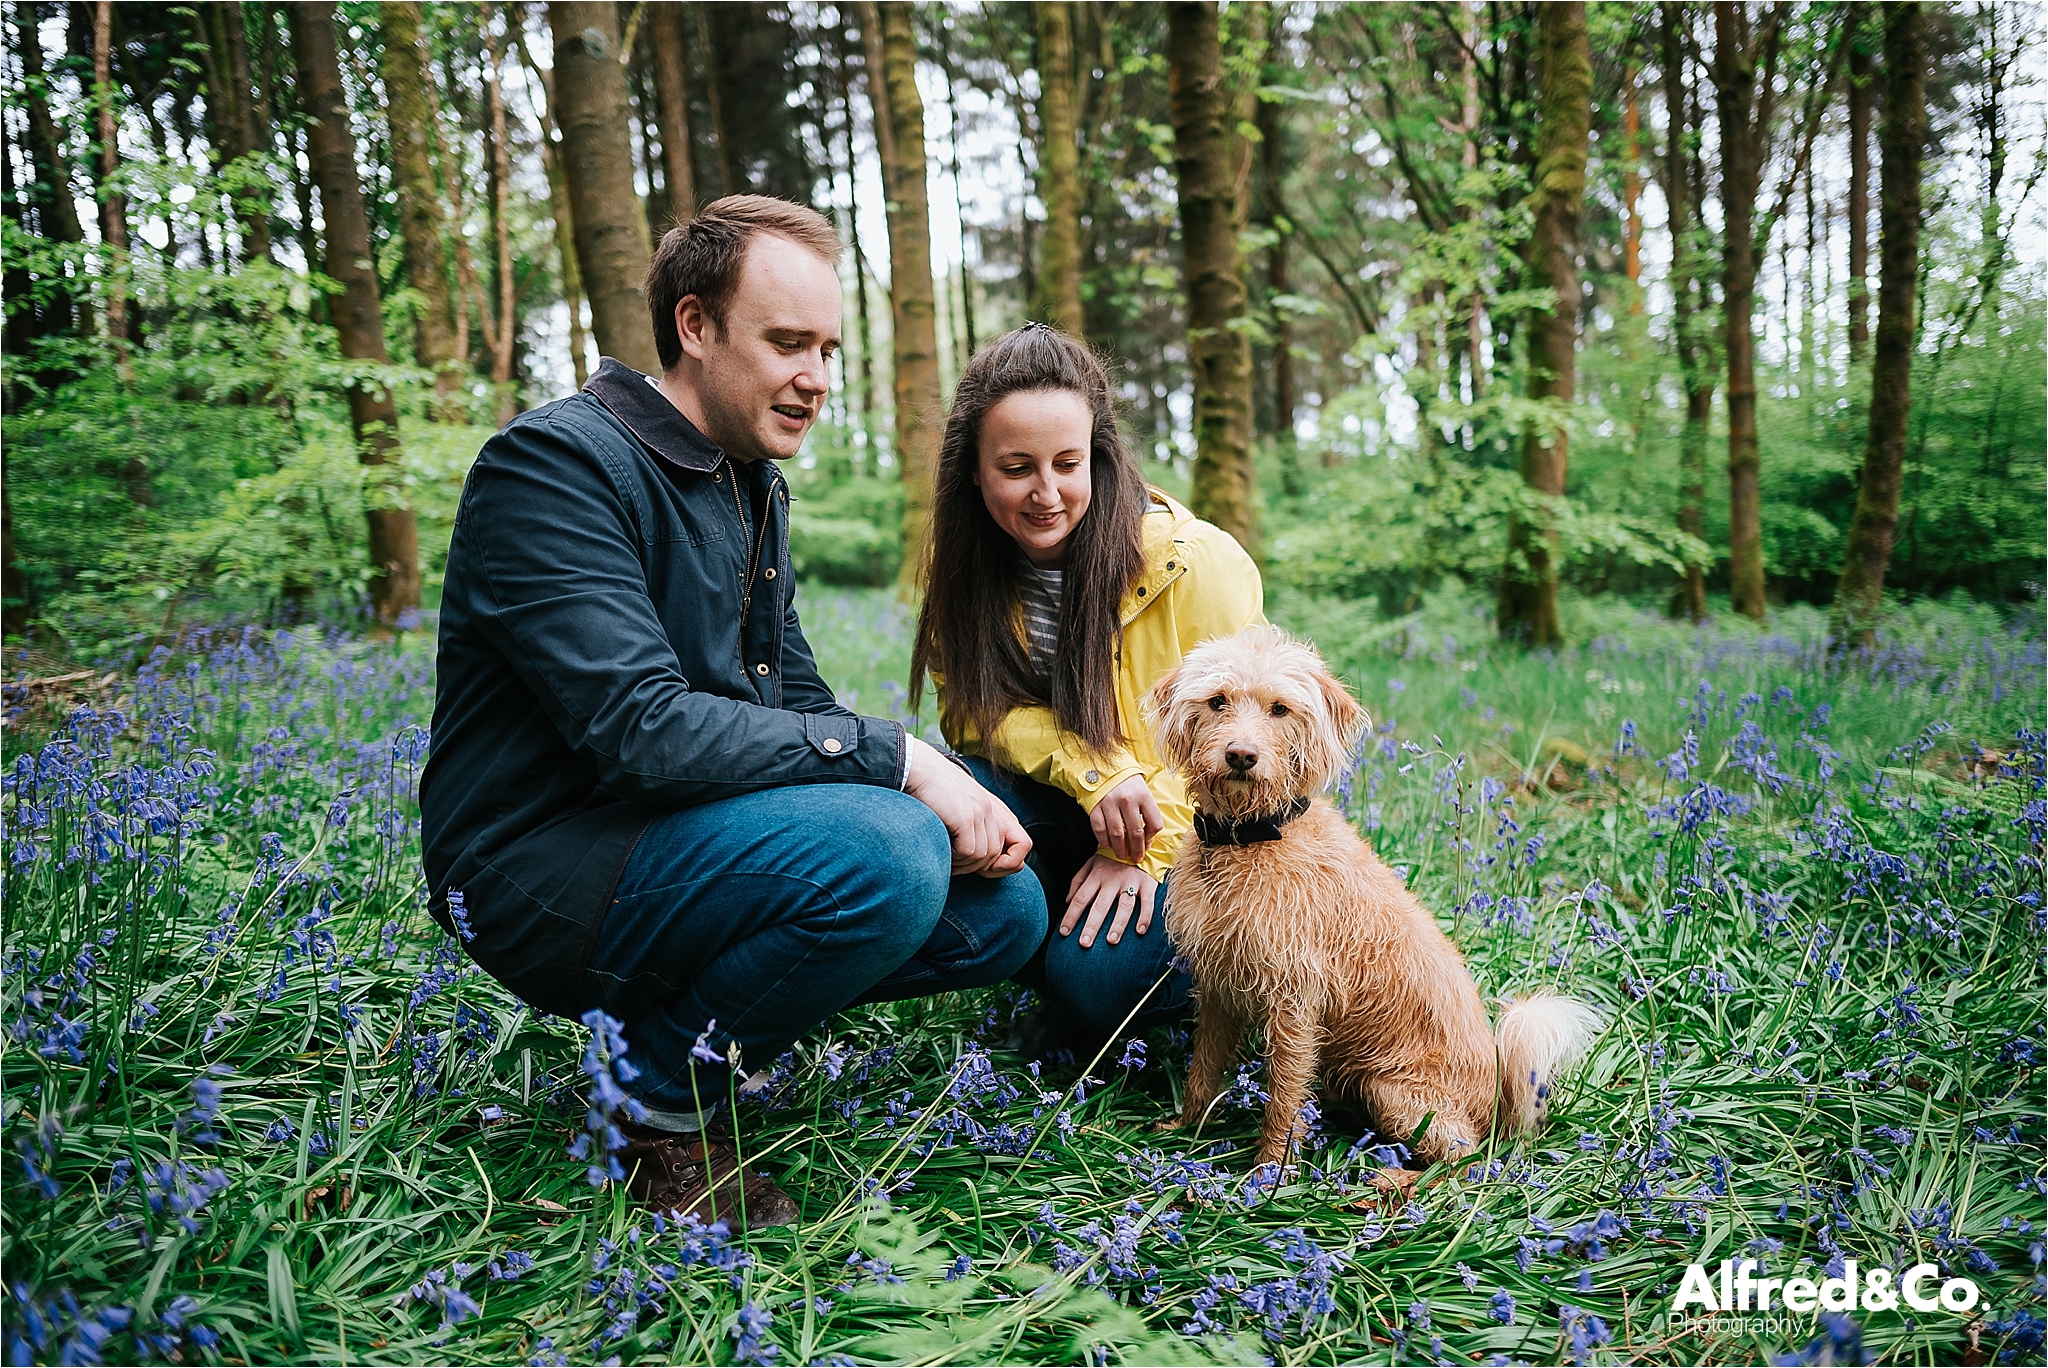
<point>703,258</point>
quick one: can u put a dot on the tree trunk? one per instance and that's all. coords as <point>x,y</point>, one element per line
<point>1860,596</point>
<point>113,203</point>
<point>229,84</point>
<point>670,53</point>
<point>1735,82</point>
<point>1690,598</point>
<point>899,129</point>
<point>419,201</point>
<point>358,316</point>
<point>558,202</point>
<point>728,170</point>
<point>640,102</point>
<point>13,583</point>
<point>1528,591</point>
<point>1206,157</point>
<point>1862,84</point>
<point>860,260</point>
<point>503,342</point>
<point>1475,317</point>
<point>1059,186</point>
<point>51,197</point>
<point>968,344</point>
<point>57,211</point>
<point>597,155</point>
<point>1285,398</point>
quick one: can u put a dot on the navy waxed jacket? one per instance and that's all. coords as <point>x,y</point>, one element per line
<point>618,637</point>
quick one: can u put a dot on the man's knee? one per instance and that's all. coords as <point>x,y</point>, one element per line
<point>902,862</point>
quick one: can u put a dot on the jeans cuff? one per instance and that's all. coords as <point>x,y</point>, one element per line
<point>685,1122</point>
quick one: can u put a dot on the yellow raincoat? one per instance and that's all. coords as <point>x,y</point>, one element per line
<point>1198,583</point>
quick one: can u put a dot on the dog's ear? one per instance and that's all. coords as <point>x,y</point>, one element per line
<point>1337,722</point>
<point>1169,726</point>
<point>1346,714</point>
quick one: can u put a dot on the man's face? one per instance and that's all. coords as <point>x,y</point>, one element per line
<point>765,373</point>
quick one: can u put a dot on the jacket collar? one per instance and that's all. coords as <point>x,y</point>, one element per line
<point>1165,525</point>
<point>1243,831</point>
<point>660,425</point>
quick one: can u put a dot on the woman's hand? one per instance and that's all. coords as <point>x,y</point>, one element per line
<point>1126,820</point>
<point>1104,886</point>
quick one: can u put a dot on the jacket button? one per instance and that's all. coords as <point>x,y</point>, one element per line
<point>1091,777</point>
<point>1169,565</point>
<point>761,669</point>
<point>831,744</point>
<point>770,574</point>
<point>1141,591</point>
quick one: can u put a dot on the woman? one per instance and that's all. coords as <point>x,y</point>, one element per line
<point>1059,588</point>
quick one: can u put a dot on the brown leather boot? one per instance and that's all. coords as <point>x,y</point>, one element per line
<point>698,1174</point>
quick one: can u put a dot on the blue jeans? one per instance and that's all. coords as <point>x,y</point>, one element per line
<point>769,912</point>
<point>1087,991</point>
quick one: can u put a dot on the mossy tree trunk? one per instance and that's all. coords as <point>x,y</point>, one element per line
<point>1860,596</point>
<point>899,133</point>
<point>1528,586</point>
<point>1690,598</point>
<point>358,314</point>
<point>232,110</point>
<point>558,204</point>
<point>106,97</point>
<point>501,324</point>
<point>597,161</point>
<point>419,200</point>
<point>1744,103</point>
<point>1059,182</point>
<point>1207,154</point>
<point>1862,87</point>
<point>670,51</point>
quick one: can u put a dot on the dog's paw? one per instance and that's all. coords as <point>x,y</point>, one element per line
<point>1168,1123</point>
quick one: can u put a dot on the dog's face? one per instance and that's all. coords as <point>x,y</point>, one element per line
<point>1255,720</point>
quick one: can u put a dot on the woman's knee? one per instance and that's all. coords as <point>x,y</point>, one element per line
<point>1096,987</point>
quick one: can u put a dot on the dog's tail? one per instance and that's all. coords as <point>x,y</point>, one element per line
<point>1538,1037</point>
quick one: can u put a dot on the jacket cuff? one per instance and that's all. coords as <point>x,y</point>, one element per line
<point>1091,786</point>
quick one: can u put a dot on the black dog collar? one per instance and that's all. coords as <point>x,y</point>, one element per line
<point>1219,831</point>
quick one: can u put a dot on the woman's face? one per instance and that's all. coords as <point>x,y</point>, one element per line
<point>1033,470</point>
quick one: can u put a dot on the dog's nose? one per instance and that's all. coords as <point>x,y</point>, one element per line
<point>1241,758</point>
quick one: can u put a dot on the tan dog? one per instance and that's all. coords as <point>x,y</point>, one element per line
<point>1289,921</point>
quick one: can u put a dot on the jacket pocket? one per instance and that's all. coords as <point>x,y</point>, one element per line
<point>831,735</point>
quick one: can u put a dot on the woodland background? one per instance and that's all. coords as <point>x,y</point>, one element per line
<point>1699,347</point>
<point>1483,298</point>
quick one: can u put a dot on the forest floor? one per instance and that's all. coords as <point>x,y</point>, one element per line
<point>258,1109</point>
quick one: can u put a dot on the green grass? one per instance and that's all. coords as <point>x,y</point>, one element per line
<point>1848,938</point>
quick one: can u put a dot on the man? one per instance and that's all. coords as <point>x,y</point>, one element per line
<point>646,796</point>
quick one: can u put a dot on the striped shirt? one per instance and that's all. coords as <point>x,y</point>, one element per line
<point>1040,592</point>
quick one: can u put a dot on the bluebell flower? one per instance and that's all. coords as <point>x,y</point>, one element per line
<point>750,1336</point>
<point>1502,1307</point>
<point>458,912</point>
<point>702,1050</point>
<point>605,1065</point>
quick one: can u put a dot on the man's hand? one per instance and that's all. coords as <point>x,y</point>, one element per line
<point>1127,819</point>
<point>1104,886</point>
<point>987,837</point>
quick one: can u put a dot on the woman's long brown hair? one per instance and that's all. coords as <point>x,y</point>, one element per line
<point>967,631</point>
